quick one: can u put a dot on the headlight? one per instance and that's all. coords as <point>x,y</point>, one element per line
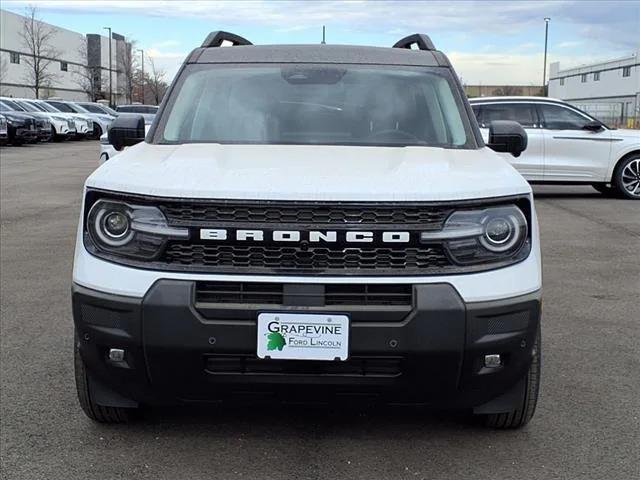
<point>491,235</point>
<point>133,231</point>
<point>59,119</point>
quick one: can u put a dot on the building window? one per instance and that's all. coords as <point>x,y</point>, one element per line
<point>14,57</point>
<point>596,76</point>
<point>583,79</point>
<point>562,81</point>
<point>626,72</point>
<point>64,66</point>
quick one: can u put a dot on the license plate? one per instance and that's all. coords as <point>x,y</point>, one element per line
<point>303,336</point>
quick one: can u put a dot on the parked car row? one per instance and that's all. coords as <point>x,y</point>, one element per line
<point>31,121</point>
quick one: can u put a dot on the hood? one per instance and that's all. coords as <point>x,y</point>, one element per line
<point>287,172</point>
<point>79,116</point>
<point>46,116</point>
<point>15,115</point>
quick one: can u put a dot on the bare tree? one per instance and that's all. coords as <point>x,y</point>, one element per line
<point>156,81</point>
<point>507,91</point>
<point>129,68</point>
<point>37,38</point>
<point>89,78</point>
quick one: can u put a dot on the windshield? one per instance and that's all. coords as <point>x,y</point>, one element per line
<point>27,106</point>
<point>92,108</point>
<point>48,108</point>
<point>77,108</point>
<point>12,105</point>
<point>109,110</point>
<point>63,107</point>
<point>316,104</point>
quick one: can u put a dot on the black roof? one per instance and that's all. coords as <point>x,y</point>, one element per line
<point>318,54</point>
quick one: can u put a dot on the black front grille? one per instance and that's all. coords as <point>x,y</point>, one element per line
<point>328,295</point>
<point>359,294</point>
<point>239,292</point>
<point>355,366</point>
<point>186,213</point>
<point>290,259</point>
<point>378,250</point>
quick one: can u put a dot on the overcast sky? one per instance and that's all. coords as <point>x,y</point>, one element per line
<point>488,42</point>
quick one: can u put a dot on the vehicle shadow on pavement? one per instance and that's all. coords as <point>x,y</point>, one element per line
<point>386,420</point>
<point>569,192</point>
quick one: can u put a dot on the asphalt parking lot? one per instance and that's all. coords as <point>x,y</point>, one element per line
<point>587,425</point>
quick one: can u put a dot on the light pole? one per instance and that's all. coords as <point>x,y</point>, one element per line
<point>142,82</point>
<point>544,70</point>
<point>110,76</point>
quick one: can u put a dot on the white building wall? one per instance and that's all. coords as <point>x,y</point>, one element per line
<point>69,46</point>
<point>612,92</point>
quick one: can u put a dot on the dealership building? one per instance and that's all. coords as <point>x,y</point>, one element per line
<point>608,90</point>
<point>75,54</point>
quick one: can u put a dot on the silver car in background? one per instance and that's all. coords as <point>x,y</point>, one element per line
<point>99,108</point>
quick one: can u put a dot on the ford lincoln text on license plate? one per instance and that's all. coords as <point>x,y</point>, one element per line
<point>303,336</point>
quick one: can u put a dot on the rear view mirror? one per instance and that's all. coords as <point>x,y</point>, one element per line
<point>508,137</point>
<point>127,129</point>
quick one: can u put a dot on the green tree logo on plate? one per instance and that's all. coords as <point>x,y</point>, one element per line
<point>275,341</point>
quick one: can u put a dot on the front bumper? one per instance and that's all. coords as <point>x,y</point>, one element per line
<point>177,350</point>
<point>25,135</point>
<point>45,134</point>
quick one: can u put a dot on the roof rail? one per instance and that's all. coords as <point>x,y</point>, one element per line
<point>215,39</point>
<point>420,39</point>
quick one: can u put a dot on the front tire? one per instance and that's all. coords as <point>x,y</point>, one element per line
<point>97,132</point>
<point>626,177</point>
<point>95,412</point>
<point>524,413</point>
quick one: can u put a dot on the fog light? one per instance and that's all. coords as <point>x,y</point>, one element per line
<point>116,355</point>
<point>492,361</point>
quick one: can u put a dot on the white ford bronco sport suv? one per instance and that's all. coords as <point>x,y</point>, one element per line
<point>313,223</point>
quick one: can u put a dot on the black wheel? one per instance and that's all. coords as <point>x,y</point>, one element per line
<point>520,416</point>
<point>97,131</point>
<point>626,177</point>
<point>94,411</point>
<point>605,189</point>
<point>56,136</point>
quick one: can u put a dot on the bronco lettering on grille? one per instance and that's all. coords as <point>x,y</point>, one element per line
<point>311,236</point>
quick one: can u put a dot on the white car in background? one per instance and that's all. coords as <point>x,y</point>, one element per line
<point>62,126</point>
<point>100,121</point>
<point>83,126</point>
<point>566,145</point>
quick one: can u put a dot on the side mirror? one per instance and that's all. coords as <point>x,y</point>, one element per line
<point>126,130</point>
<point>507,136</point>
<point>592,126</point>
